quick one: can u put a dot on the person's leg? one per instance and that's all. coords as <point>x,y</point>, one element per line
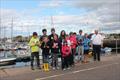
<point>47,65</point>
<point>32,60</point>
<point>56,60</point>
<point>61,60</point>
<point>38,60</point>
<point>67,61</point>
<point>53,60</point>
<point>82,53</point>
<point>98,52</point>
<point>85,56</point>
<point>63,63</point>
<point>79,56</point>
<point>74,51</point>
<point>94,52</point>
<point>72,57</point>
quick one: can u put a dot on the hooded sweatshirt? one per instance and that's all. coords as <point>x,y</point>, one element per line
<point>65,50</point>
<point>32,44</point>
<point>73,41</point>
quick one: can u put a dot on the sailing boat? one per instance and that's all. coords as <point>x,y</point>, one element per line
<point>6,54</point>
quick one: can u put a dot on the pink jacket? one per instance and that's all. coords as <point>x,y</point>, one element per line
<point>73,41</point>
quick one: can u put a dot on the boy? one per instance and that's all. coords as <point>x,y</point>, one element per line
<point>45,53</point>
<point>34,46</point>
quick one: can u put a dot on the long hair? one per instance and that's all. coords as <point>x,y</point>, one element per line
<point>64,34</point>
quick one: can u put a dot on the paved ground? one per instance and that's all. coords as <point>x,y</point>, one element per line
<point>107,69</point>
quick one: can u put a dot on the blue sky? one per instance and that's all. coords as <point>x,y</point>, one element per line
<point>20,5</point>
<point>74,15</point>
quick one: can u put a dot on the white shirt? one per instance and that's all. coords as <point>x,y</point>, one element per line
<point>97,39</point>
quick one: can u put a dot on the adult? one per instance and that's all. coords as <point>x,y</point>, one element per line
<point>97,42</point>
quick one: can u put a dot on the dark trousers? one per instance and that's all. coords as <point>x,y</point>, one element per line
<point>72,56</point>
<point>96,51</point>
<point>65,62</point>
<point>45,58</point>
<point>35,55</point>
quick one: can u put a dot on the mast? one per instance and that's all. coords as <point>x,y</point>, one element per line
<point>52,23</point>
<point>0,29</point>
<point>12,29</point>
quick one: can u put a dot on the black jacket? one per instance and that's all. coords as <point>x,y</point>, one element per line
<point>45,50</point>
<point>58,45</point>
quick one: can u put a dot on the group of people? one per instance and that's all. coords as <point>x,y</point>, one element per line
<point>64,45</point>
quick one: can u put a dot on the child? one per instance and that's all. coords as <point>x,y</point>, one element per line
<point>86,43</point>
<point>73,42</point>
<point>55,50</point>
<point>66,50</point>
<point>34,46</point>
<point>45,53</point>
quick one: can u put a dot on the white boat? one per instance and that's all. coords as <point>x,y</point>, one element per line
<point>7,58</point>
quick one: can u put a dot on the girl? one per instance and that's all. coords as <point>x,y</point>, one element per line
<point>86,43</point>
<point>66,50</point>
<point>55,50</point>
<point>62,39</point>
<point>73,42</point>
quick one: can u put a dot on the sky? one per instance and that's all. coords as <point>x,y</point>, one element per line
<point>33,15</point>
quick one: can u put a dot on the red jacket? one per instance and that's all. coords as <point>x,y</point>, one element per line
<point>73,41</point>
<point>66,50</point>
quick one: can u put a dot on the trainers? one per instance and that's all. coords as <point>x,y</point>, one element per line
<point>53,68</point>
<point>58,68</point>
<point>64,69</point>
<point>38,68</point>
<point>68,68</point>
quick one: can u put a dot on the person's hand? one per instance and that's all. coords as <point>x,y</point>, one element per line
<point>47,46</point>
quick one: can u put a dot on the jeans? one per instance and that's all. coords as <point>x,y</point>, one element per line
<point>45,58</point>
<point>80,53</point>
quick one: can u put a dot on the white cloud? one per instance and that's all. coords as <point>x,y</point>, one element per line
<point>51,4</point>
<point>103,14</point>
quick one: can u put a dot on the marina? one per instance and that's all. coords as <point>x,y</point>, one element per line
<point>59,40</point>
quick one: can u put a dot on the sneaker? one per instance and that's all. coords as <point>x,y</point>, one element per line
<point>38,68</point>
<point>64,69</point>
<point>58,68</point>
<point>53,68</point>
<point>68,68</point>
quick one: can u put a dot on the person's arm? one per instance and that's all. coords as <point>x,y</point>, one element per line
<point>69,50</point>
<point>91,40</point>
<point>101,40</point>
<point>63,50</point>
<point>38,43</point>
<point>31,43</point>
<point>42,45</point>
